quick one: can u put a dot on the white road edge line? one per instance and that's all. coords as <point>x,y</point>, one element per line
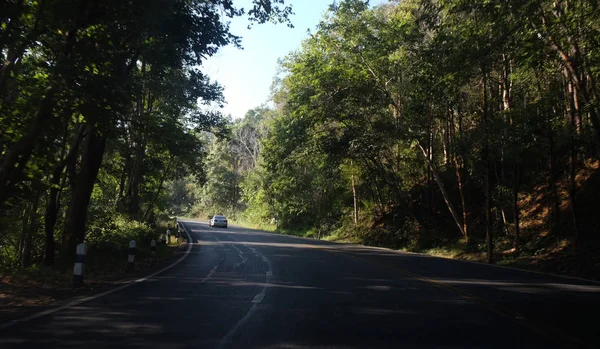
<point>473,262</point>
<point>102,294</point>
<point>426,255</point>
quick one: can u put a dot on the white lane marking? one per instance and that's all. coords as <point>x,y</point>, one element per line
<point>239,252</point>
<point>258,298</point>
<point>210,274</point>
<point>102,294</point>
<point>226,340</point>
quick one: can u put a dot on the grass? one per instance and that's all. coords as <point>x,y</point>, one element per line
<point>246,224</point>
<point>302,232</point>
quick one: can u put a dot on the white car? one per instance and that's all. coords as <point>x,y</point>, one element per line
<point>218,221</point>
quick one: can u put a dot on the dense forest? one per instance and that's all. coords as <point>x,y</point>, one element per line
<point>426,123</point>
<point>414,124</point>
<point>102,105</point>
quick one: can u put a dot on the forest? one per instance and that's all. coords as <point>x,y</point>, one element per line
<point>466,126</point>
<point>463,125</point>
<point>102,105</point>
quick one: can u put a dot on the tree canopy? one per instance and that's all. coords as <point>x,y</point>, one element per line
<point>419,122</point>
<point>103,104</point>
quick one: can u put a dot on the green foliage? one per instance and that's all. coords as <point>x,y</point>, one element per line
<point>103,108</point>
<point>116,232</point>
<point>412,108</point>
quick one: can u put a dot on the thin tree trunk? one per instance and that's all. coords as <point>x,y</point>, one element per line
<point>556,227</point>
<point>573,162</point>
<point>430,152</point>
<point>354,197</point>
<point>516,211</point>
<point>488,184</point>
<point>121,205</point>
<point>460,180</point>
<point>159,189</point>
<point>445,195</point>
<point>502,209</point>
<point>460,167</point>
<point>30,232</point>
<point>133,192</point>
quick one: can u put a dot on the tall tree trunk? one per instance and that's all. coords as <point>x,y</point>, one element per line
<point>488,175</point>
<point>80,199</point>
<point>506,88</point>
<point>354,196</point>
<point>123,182</point>
<point>430,152</point>
<point>516,211</point>
<point>132,193</point>
<point>26,260</point>
<point>556,226</point>
<point>52,207</point>
<point>459,178</point>
<point>574,110</point>
<point>459,163</point>
<point>159,189</point>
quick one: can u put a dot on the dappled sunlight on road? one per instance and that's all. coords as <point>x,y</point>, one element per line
<point>522,286</point>
<point>226,282</point>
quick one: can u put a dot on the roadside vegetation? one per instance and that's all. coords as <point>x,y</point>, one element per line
<point>467,129</point>
<point>103,106</point>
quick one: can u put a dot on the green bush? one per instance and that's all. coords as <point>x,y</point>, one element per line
<point>117,232</point>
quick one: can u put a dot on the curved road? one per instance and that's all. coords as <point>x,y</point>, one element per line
<point>242,288</point>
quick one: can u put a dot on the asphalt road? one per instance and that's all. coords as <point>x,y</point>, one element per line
<point>241,288</point>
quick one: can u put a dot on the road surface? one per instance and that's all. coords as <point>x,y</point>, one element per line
<point>242,288</point>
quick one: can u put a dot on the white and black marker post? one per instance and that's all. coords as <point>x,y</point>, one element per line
<point>79,266</point>
<point>169,235</point>
<point>153,248</point>
<point>131,256</point>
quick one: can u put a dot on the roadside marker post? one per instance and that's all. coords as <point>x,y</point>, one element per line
<point>79,266</point>
<point>153,248</point>
<point>131,256</point>
<point>169,235</point>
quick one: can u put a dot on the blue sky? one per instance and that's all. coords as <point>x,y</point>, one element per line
<point>247,74</point>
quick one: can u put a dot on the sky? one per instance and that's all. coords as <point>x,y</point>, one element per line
<point>247,74</point>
